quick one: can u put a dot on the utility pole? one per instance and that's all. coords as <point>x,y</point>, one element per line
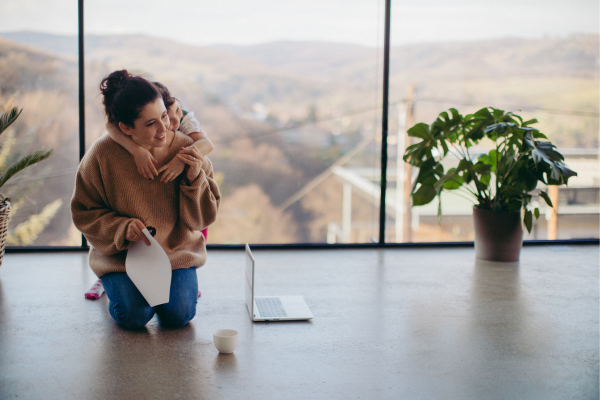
<point>553,221</point>
<point>400,176</point>
<point>407,220</point>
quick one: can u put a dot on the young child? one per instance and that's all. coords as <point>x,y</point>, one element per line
<point>180,120</point>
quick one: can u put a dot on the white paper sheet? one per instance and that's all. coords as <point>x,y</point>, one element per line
<point>149,269</point>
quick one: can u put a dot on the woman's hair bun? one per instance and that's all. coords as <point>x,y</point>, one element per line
<point>114,81</point>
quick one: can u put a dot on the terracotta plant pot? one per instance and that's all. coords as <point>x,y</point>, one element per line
<point>498,237</point>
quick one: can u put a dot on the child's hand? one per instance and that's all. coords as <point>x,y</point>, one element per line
<point>193,158</point>
<point>145,163</point>
<point>172,170</point>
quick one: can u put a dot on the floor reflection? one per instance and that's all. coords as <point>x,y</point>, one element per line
<point>225,362</point>
<point>498,308</point>
<point>143,363</point>
<point>500,335</point>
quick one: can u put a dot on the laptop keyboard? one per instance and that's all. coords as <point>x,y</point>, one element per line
<point>270,307</point>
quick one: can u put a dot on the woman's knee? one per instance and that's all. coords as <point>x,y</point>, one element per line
<point>127,306</point>
<point>181,307</point>
<point>131,317</point>
<point>176,315</point>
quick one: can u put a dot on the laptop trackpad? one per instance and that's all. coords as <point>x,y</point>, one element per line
<point>295,305</point>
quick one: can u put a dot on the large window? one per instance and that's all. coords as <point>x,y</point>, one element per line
<point>38,73</point>
<point>537,58</point>
<point>291,96</point>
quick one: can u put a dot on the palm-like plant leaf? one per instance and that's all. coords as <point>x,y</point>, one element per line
<point>8,118</point>
<point>24,163</point>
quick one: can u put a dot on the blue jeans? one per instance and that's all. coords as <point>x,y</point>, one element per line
<point>128,307</point>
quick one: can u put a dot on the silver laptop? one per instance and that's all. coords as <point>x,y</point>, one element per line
<point>272,308</point>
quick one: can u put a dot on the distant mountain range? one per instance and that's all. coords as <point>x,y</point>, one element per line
<point>572,55</point>
<point>293,77</point>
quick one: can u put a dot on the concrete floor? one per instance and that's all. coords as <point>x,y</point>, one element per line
<point>390,324</point>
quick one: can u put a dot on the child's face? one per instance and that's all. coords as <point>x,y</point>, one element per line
<point>175,115</point>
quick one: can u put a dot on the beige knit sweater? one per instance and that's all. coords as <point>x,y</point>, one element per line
<point>109,193</point>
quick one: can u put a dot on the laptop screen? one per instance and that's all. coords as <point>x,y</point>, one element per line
<point>249,278</point>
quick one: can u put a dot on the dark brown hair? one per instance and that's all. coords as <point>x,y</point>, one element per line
<point>164,92</point>
<point>125,95</point>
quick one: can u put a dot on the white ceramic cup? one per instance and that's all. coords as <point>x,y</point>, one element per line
<point>225,340</point>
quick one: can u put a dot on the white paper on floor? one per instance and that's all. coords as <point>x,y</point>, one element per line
<point>149,269</point>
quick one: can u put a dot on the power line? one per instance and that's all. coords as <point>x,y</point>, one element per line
<point>423,99</point>
<point>300,125</point>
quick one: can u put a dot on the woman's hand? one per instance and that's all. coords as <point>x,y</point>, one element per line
<point>134,232</point>
<point>172,170</point>
<point>192,157</point>
<point>145,163</point>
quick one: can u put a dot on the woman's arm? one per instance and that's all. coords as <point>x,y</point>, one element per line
<point>142,157</point>
<point>199,196</point>
<point>106,229</point>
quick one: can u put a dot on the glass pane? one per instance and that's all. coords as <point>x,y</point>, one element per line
<point>38,73</point>
<point>512,56</point>
<point>289,95</point>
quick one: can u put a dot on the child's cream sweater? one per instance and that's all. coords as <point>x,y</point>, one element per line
<point>109,193</point>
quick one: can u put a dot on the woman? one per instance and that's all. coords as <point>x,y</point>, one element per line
<point>113,203</point>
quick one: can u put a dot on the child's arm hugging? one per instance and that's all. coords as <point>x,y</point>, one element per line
<point>191,127</point>
<point>142,157</point>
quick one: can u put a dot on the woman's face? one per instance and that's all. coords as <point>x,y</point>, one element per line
<point>150,129</point>
<point>175,115</point>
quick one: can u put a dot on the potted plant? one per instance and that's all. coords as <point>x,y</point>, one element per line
<point>6,120</point>
<point>500,182</point>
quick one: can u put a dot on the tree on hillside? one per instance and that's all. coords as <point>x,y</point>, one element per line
<point>247,216</point>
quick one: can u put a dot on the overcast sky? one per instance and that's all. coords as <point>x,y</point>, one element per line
<point>352,21</point>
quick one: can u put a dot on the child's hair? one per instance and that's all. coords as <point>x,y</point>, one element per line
<point>166,95</point>
<point>125,95</point>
